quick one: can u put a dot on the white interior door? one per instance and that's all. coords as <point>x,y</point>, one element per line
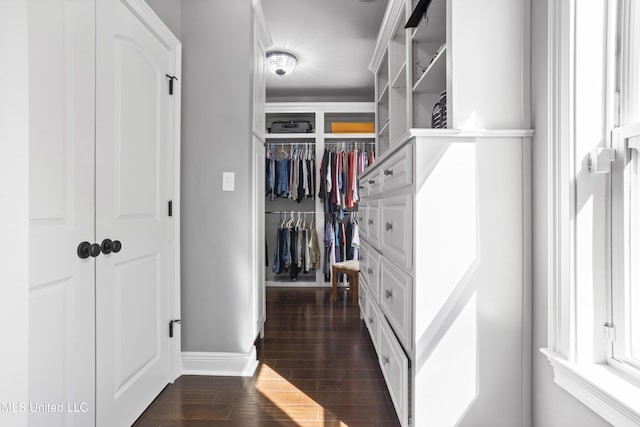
<point>134,139</point>
<point>61,187</point>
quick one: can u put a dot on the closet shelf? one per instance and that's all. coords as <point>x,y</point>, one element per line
<point>384,92</point>
<point>400,79</point>
<point>349,136</point>
<point>384,130</point>
<point>290,136</point>
<point>434,78</point>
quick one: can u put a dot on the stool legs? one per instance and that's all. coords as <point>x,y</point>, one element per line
<point>334,284</point>
<point>354,284</point>
<point>353,281</point>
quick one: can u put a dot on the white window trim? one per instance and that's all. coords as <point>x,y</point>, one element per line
<point>607,392</point>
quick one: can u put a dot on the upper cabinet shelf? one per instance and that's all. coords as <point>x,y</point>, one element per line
<point>467,53</point>
<point>400,79</point>
<point>434,78</point>
<point>432,28</point>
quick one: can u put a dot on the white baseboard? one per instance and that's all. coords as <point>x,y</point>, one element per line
<point>219,364</point>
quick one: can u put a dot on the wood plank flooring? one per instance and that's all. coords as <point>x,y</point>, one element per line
<point>317,368</point>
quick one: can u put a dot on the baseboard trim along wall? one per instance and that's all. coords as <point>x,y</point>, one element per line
<point>220,364</point>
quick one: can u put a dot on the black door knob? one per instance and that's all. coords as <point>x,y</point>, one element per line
<point>116,246</point>
<point>84,249</point>
<point>94,251</point>
<point>107,246</point>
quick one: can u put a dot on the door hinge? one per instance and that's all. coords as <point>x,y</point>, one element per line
<point>171,322</point>
<point>171,79</point>
<point>600,160</point>
<point>170,208</point>
<point>610,331</point>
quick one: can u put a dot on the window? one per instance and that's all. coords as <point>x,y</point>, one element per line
<point>594,254</point>
<point>624,352</point>
<point>625,288</point>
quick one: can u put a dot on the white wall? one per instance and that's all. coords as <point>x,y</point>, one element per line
<point>14,215</point>
<point>552,406</point>
<point>216,137</point>
<point>170,11</point>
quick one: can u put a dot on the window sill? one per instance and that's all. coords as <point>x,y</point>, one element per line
<point>600,388</point>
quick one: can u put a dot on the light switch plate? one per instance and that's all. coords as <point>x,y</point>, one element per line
<point>228,181</point>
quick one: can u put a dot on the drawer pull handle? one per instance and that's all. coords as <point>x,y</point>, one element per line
<point>388,294</point>
<point>360,257</point>
<point>385,360</point>
<point>372,181</point>
<point>388,172</point>
<point>360,219</point>
<point>388,226</point>
<point>370,320</point>
<point>370,221</point>
<point>361,187</point>
<point>369,271</point>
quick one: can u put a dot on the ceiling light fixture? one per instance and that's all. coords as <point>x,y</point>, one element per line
<point>280,62</point>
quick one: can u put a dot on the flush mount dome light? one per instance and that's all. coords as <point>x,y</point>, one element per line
<point>280,62</point>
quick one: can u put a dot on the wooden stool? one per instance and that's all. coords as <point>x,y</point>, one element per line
<point>351,269</point>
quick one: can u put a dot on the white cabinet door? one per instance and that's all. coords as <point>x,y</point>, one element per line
<point>61,191</point>
<point>134,139</point>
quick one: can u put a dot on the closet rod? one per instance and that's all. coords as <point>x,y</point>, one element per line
<point>288,212</point>
<point>350,142</point>
<point>290,143</point>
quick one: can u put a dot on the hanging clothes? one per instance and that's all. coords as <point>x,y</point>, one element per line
<point>289,171</point>
<point>297,250</point>
<point>338,189</point>
<point>338,185</point>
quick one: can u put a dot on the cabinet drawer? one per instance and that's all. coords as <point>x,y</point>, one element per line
<point>363,298</point>
<point>373,222</point>
<point>371,272</point>
<point>395,369</point>
<point>397,171</point>
<point>397,229</point>
<point>396,300</point>
<point>373,319</point>
<point>371,183</point>
<point>363,257</point>
<point>363,215</point>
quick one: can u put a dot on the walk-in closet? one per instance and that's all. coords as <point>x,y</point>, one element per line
<point>312,188</point>
<point>188,178</point>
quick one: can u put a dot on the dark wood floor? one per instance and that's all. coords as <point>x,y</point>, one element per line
<point>317,368</point>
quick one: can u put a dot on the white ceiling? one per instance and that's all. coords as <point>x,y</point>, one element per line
<point>333,41</point>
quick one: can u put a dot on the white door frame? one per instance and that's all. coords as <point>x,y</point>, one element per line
<point>149,18</point>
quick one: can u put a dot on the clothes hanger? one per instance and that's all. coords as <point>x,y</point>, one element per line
<point>290,222</point>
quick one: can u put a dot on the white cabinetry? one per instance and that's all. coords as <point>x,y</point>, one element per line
<point>445,226</point>
<point>445,282</point>
<point>472,50</point>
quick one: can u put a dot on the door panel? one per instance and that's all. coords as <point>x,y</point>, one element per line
<point>136,128</point>
<point>61,192</point>
<point>134,140</point>
<point>137,335</point>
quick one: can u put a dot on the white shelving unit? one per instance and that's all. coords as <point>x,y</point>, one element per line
<point>321,115</point>
<point>444,214</point>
